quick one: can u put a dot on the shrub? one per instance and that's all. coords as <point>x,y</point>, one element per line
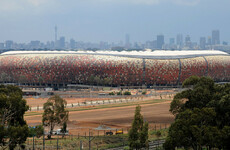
<point>111,93</point>
<point>143,93</point>
<point>119,93</point>
<point>127,93</point>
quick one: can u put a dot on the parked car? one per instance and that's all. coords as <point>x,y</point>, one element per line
<point>119,132</point>
<point>109,133</point>
<point>59,132</point>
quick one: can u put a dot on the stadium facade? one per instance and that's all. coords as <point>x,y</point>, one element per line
<point>56,68</point>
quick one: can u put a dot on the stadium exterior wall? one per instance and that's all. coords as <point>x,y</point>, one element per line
<point>62,69</point>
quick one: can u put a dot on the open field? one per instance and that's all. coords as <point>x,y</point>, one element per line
<point>81,121</point>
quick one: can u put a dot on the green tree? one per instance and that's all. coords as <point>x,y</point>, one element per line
<point>97,80</point>
<point>202,115</point>
<point>64,127</point>
<point>138,134</point>
<point>3,77</point>
<point>13,128</point>
<point>144,135</point>
<point>91,80</point>
<point>107,81</point>
<point>54,113</point>
<point>127,93</point>
<point>37,131</point>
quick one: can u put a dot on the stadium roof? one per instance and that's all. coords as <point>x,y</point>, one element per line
<point>158,54</point>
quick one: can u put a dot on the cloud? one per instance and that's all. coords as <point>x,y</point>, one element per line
<point>151,2</point>
<point>37,2</point>
<point>7,5</point>
<point>147,2</point>
<point>187,2</point>
<point>18,5</point>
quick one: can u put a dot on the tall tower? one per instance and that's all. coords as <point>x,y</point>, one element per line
<point>55,34</point>
<point>202,42</point>
<point>179,40</point>
<point>127,41</point>
<point>215,37</point>
<point>160,41</point>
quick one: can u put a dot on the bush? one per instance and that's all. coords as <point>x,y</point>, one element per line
<point>119,93</point>
<point>127,93</point>
<point>111,93</point>
<point>36,131</point>
<point>158,133</point>
<point>143,93</point>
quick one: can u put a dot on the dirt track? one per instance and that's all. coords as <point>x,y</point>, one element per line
<point>81,121</point>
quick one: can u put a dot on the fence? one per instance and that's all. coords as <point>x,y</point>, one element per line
<point>124,99</point>
<point>93,139</point>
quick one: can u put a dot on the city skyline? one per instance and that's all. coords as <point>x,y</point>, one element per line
<point>179,42</point>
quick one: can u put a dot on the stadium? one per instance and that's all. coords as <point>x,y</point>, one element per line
<point>111,68</point>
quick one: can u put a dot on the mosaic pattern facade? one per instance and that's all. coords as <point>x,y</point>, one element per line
<point>81,68</point>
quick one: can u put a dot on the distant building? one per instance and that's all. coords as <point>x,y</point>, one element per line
<point>62,42</point>
<point>179,40</point>
<point>9,44</point>
<point>160,41</point>
<point>209,42</point>
<point>72,43</point>
<point>203,43</point>
<point>172,41</point>
<point>127,41</point>
<point>215,37</point>
<point>2,45</point>
<point>225,43</point>
<point>103,45</point>
<point>188,42</point>
<point>35,44</point>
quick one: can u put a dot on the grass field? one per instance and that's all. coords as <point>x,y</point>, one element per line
<point>96,142</point>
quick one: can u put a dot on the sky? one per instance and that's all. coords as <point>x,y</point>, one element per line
<point>111,20</point>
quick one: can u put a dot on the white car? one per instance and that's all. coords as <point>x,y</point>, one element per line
<point>58,132</point>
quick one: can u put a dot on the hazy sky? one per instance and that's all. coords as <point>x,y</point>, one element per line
<point>110,20</point>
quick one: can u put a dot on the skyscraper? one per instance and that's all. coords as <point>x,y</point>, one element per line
<point>172,41</point>
<point>72,44</point>
<point>203,43</point>
<point>179,40</point>
<point>62,42</point>
<point>9,44</point>
<point>127,41</point>
<point>56,42</point>
<point>55,33</point>
<point>1,45</point>
<point>188,42</point>
<point>209,41</point>
<point>215,37</point>
<point>160,41</point>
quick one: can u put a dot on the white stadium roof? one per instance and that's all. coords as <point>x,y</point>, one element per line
<point>158,54</point>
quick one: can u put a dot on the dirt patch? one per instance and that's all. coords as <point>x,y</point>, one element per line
<point>80,122</point>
